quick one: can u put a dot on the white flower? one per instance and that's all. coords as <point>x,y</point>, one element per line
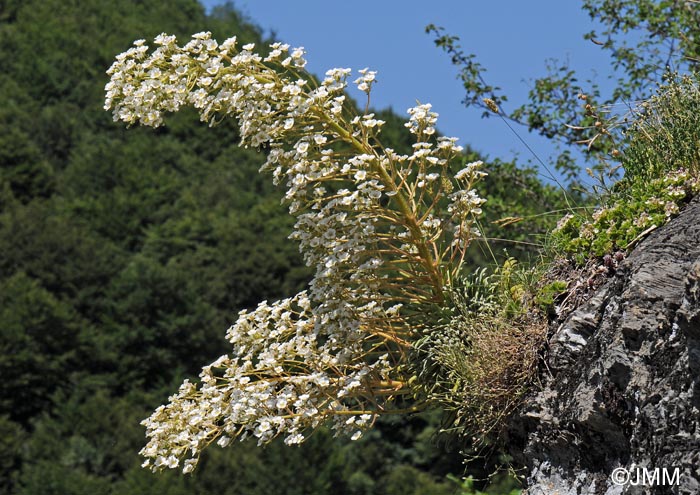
<point>469,170</point>
<point>294,439</point>
<point>190,464</point>
<point>364,83</point>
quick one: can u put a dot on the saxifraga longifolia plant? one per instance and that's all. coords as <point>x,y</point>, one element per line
<point>386,234</point>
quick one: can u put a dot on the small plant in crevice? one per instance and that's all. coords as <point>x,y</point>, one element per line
<point>627,216</point>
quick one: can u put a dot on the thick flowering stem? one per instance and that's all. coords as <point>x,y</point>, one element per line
<point>409,214</point>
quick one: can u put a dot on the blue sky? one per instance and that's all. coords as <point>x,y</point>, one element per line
<point>512,39</point>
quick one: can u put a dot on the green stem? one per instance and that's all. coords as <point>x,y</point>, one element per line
<point>409,215</point>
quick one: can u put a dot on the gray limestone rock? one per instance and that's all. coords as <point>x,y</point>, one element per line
<point>621,389</point>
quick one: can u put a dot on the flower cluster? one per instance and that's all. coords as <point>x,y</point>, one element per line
<point>279,378</point>
<point>385,233</point>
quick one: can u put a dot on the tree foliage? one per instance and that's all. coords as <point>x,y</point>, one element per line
<point>645,40</point>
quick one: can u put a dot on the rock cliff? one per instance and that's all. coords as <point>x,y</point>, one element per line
<point>620,392</point>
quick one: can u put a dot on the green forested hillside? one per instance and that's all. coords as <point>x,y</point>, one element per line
<point>124,256</point>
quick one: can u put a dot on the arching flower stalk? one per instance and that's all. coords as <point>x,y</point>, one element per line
<point>386,234</point>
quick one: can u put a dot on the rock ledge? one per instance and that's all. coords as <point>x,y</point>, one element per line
<point>622,389</point>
